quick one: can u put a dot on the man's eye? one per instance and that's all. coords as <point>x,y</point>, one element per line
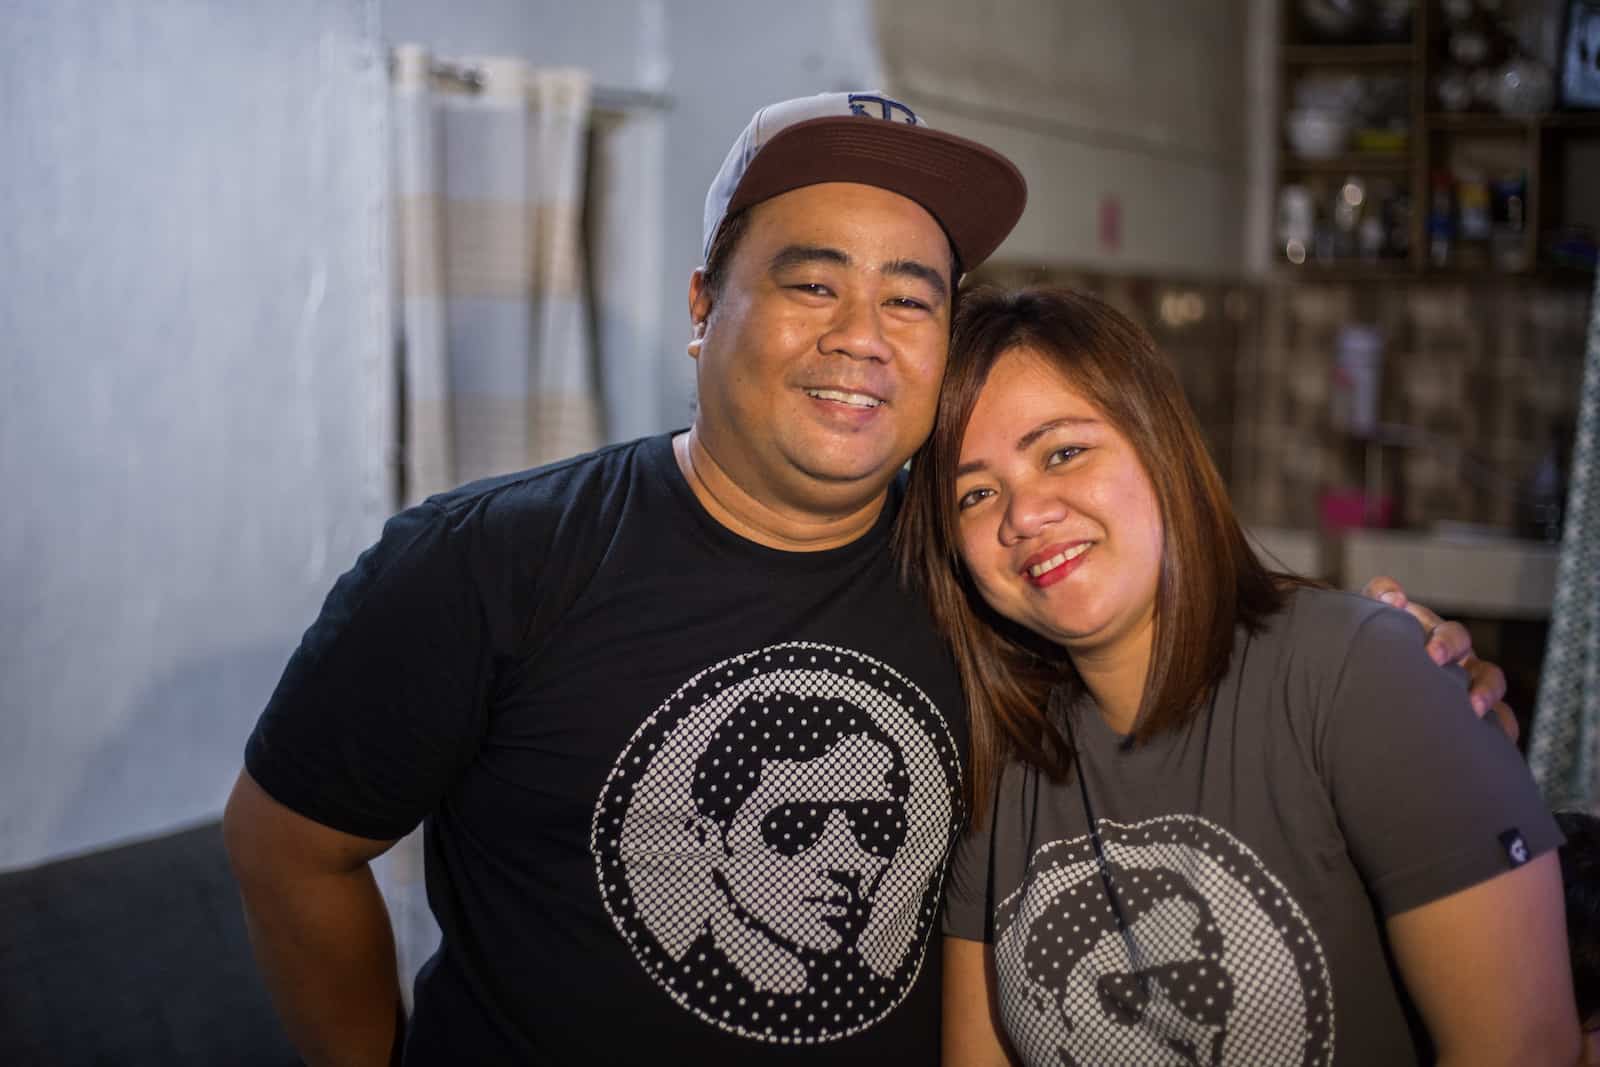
<point>911,302</point>
<point>1062,455</point>
<point>972,497</point>
<point>811,288</point>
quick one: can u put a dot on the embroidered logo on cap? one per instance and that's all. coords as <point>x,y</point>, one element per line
<point>1516,848</point>
<point>886,108</point>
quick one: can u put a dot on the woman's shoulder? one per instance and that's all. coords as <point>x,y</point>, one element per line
<point>1334,668</point>
<point>1311,612</point>
<point>1322,632</point>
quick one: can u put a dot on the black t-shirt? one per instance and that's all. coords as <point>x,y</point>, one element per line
<point>686,798</point>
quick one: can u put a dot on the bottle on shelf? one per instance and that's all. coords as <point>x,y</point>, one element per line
<point>1441,220</point>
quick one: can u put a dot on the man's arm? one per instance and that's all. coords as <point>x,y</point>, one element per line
<point>1450,952</point>
<point>971,1036</point>
<point>1449,642</point>
<point>319,929</point>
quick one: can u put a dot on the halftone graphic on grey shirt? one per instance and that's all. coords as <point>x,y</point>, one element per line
<point>1177,947</point>
<point>771,842</point>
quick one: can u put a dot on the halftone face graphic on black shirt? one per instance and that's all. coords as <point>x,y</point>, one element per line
<point>771,841</point>
<point>809,827</point>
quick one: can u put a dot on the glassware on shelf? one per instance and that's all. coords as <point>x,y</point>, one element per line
<point>1328,221</point>
<point>1297,221</point>
<point>1524,87</point>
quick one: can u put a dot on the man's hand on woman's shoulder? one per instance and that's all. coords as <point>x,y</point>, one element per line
<point>1449,642</point>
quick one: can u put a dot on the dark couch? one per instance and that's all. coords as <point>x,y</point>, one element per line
<point>133,955</point>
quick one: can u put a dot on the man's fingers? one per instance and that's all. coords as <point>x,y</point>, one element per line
<point>1506,719</point>
<point>1385,589</point>
<point>1486,684</point>
<point>1448,642</point>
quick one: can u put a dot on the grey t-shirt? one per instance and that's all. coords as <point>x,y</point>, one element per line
<point>1229,906</point>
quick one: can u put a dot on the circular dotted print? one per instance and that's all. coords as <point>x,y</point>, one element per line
<point>771,841</point>
<point>1175,945</point>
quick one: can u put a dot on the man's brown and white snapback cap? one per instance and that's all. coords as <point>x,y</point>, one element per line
<point>974,192</point>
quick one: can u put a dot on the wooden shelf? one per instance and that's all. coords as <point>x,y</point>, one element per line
<point>1480,121</point>
<point>1571,120</point>
<point>1387,270</point>
<point>1477,274</point>
<point>1539,147</point>
<point>1551,274</point>
<point>1354,270</point>
<point>1489,122</point>
<point>1350,163</point>
<point>1348,55</point>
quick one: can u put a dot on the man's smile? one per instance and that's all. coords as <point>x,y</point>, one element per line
<point>842,396</point>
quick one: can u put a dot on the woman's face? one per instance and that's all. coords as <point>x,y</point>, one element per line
<point>1058,522</point>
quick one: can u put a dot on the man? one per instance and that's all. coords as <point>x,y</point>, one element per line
<point>532,665</point>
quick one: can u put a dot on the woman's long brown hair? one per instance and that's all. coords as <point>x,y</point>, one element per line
<point>1211,581</point>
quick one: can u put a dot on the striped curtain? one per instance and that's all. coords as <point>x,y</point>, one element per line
<point>497,366</point>
<point>1564,750</point>
<point>498,369</point>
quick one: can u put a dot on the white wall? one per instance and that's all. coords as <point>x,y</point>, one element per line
<point>1138,102</point>
<point>192,388</point>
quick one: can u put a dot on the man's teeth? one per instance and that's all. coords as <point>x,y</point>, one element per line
<point>860,400</point>
<point>1058,559</point>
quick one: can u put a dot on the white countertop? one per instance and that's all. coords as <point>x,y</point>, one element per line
<point>1474,574</point>
<point>1493,577</point>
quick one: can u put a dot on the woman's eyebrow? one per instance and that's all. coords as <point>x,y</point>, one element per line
<point>1027,439</point>
<point>1054,424</point>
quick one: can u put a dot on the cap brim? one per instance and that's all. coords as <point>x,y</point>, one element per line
<point>974,192</point>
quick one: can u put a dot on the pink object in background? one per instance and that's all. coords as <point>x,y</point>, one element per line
<point>1110,223</point>
<point>1345,509</point>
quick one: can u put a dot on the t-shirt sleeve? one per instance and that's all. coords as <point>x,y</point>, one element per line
<point>966,893</point>
<point>383,703</point>
<point>1431,799</point>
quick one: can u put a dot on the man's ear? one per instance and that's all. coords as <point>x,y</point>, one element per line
<point>699,310</point>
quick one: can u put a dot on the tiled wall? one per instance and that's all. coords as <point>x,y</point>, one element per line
<point>1204,327</point>
<point>1475,377</point>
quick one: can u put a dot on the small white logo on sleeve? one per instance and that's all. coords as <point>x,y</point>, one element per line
<point>1516,848</point>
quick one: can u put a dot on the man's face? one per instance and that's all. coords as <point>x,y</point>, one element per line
<point>821,357</point>
<point>810,844</point>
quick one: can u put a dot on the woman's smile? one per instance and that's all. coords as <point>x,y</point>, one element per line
<point>1050,566</point>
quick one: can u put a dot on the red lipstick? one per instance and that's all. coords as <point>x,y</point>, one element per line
<point>1061,570</point>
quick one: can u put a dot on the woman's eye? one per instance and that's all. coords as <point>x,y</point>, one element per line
<point>971,497</point>
<point>1062,455</point>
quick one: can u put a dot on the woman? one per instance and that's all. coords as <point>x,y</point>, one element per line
<point>1219,816</point>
